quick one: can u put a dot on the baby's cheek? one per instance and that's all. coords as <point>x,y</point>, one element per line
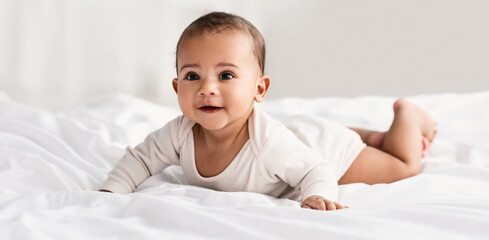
<point>244,97</point>
<point>185,103</point>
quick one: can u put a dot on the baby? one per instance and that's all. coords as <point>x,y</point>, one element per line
<point>222,142</point>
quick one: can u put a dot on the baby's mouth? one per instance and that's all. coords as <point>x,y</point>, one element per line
<point>210,109</point>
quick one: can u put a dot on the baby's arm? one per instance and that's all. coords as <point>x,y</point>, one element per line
<point>319,188</point>
<point>288,159</point>
<point>150,157</point>
<point>134,167</point>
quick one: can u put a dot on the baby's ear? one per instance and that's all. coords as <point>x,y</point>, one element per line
<point>175,84</point>
<point>262,88</point>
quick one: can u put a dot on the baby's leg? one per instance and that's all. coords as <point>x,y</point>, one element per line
<point>376,139</point>
<point>371,138</point>
<point>400,150</point>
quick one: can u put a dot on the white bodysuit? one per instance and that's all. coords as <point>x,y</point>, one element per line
<point>303,156</point>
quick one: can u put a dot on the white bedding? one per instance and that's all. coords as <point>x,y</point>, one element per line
<point>51,165</point>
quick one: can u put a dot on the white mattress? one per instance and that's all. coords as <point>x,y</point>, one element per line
<point>52,164</point>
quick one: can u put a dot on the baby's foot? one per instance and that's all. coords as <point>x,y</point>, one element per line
<point>426,123</point>
<point>426,145</point>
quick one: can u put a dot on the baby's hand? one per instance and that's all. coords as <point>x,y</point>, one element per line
<point>320,203</point>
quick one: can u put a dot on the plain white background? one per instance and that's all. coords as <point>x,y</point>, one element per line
<point>60,54</point>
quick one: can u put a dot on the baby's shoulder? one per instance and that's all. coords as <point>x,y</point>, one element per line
<point>270,135</point>
<point>176,129</point>
<point>262,127</point>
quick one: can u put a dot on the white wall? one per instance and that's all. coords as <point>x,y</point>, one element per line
<point>58,54</point>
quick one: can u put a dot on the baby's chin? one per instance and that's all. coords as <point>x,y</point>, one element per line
<point>212,125</point>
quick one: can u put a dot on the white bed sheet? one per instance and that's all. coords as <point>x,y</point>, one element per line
<point>51,165</point>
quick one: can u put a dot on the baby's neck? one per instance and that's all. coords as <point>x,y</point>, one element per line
<point>223,138</point>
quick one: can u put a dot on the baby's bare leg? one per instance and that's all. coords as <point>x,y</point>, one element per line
<point>400,152</point>
<point>369,137</point>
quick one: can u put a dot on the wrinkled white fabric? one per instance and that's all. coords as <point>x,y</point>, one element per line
<point>51,165</point>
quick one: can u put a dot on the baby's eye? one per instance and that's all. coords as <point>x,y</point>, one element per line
<point>192,77</point>
<point>226,76</point>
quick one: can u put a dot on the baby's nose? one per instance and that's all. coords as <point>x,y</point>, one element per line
<point>208,87</point>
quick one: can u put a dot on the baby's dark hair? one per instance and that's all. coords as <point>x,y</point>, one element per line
<point>216,22</point>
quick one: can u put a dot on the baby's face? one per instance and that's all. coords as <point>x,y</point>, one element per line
<point>218,79</point>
